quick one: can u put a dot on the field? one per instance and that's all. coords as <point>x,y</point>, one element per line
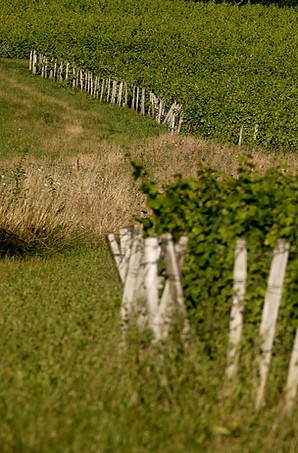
<point>228,66</point>
<point>66,181</point>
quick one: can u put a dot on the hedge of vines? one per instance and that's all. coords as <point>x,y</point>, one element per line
<point>214,212</point>
<point>228,66</point>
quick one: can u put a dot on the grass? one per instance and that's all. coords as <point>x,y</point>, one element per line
<point>65,385</point>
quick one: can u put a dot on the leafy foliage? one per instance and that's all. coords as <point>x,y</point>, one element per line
<point>215,211</point>
<point>228,66</point>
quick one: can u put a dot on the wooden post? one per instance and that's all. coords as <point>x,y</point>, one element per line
<point>115,253</point>
<point>236,319</point>
<point>30,61</point>
<point>168,117</point>
<point>137,98</point>
<point>133,99</point>
<point>174,290</point>
<point>270,312</point>
<point>114,91</point>
<point>90,83</point>
<point>125,95</point>
<point>34,62</point>
<point>119,100</point>
<point>143,102</point>
<point>74,77</point>
<point>256,132</point>
<point>128,298</point>
<point>241,135</point>
<point>125,245</point>
<point>151,256</point>
<point>292,380</point>
<point>43,68</point>
<point>66,71</point>
<point>167,303</point>
<point>109,89</point>
<point>102,90</point>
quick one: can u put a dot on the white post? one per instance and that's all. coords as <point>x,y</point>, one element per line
<point>270,312</point>
<point>115,252</point>
<point>128,298</point>
<point>66,71</point>
<point>30,61</point>
<point>236,319</point>
<point>109,89</point>
<point>241,135</point>
<point>151,256</point>
<point>168,299</point>
<point>292,380</point>
<point>143,102</point>
<point>114,91</point>
<point>137,98</point>
<point>256,132</point>
<point>133,99</point>
<point>125,95</point>
<point>34,62</point>
<point>119,100</point>
<point>74,77</point>
<point>102,90</point>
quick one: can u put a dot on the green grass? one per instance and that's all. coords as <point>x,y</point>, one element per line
<point>39,116</point>
<point>66,387</point>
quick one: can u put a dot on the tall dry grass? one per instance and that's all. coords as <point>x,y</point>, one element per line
<point>53,201</point>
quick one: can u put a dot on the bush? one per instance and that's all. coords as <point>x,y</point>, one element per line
<point>214,211</point>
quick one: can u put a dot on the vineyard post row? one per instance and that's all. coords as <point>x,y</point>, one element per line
<point>137,260</point>
<point>106,90</point>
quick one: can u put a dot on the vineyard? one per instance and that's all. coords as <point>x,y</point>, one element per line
<point>230,68</point>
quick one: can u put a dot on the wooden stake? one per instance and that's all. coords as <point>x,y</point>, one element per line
<point>168,299</point>
<point>241,135</point>
<point>34,62</point>
<point>115,253</point>
<point>270,312</point>
<point>133,99</point>
<point>256,132</point>
<point>143,102</point>
<point>109,89</point>
<point>102,90</point>
<point>292,380</point>
<point>114,91</point>
<point>173,272</point>
<point>236,319</point>
<point>31,61</point>
<point>125,95</point>
<point>66,71</point>
<point>74,77</point>
<point>137,98</point>
<point>119,100</point>
<point>151,256</point>
<point>128,298</point>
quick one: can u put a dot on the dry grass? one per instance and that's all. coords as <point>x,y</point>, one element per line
<point>55,199</point>
<point>43,200</point>
<point>169,155</point>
